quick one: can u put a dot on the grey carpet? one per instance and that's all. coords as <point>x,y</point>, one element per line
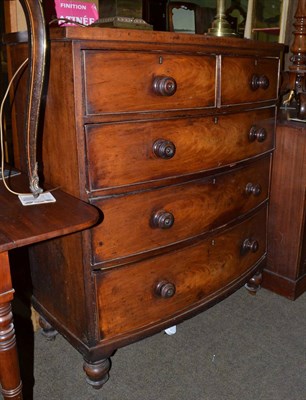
<point>246,347</point>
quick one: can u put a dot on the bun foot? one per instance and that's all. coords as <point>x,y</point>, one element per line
<point>254,283</point>
<point>97,373</point>
<point>46,329</point>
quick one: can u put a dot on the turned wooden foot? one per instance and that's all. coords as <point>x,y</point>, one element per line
<point>97,373</point>
<point>46,329</point>
<point>254,283</point>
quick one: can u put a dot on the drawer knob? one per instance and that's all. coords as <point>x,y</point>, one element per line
<point>259,81</point>
<point>253,188</point>
<point>249,245</point>
<point>164,85</point>
<point>163,220</point>
<point>165,289</point>
<point>258,134</point>
<point>164,149</point>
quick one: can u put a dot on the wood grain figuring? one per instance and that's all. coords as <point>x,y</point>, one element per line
<point>201,144</point>
<point>194,75</point>
<point>162,133</point>
<point>208,268</point>
<point>197,208</point>
<point>237,75</point>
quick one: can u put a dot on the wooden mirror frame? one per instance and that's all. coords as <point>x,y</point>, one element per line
<point>188,6</point>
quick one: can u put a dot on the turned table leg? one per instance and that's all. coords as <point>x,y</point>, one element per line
<point>97,372</point>
<point>11,386</point>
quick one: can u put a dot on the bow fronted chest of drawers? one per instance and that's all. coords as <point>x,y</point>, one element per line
<point>171,137</point>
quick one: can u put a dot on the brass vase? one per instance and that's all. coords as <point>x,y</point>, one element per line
<point>220,26</point>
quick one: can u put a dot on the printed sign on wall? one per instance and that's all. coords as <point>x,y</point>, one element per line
<point>78,12</point>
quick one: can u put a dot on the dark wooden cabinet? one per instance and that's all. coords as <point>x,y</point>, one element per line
<point>285,272</point>
<point>170,136</point>
<point>154,12</point>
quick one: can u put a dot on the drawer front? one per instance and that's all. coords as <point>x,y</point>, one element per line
<point>117,82</point>
<point>248,80</point>
<point>131,297</point>
<point>130,153</point>
<point>149,220</point>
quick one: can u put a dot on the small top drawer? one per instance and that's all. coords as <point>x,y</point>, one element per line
<point>117,82</point>
<point>248,80</point>
<point>122,154</point>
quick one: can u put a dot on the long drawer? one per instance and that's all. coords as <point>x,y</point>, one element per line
<point>167,285</point>
<point>248,80</point>
<point>117,82</point>
<point>121,154</point>
<point>151,219</point>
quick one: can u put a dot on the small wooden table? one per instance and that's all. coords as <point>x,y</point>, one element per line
<point>19,226</point>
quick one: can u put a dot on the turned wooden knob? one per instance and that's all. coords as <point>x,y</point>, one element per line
<point>253,188</point>
<point>164,85</point>
<point>163,220</point>
<point>249,245</point>
<point>164,149</point>
<point>258,134</point>
<point>165,289</point>
<point>259,81</point>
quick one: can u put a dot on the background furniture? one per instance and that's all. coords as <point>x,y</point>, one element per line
<point>183,17</point>
<point>286,267</point>
<point>155,13</point>
<point>154,129</point>
<point>20,226</point>
<point>285,272</point>
<point>268,20</point>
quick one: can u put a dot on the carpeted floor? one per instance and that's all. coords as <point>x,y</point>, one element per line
<point>246,347</point>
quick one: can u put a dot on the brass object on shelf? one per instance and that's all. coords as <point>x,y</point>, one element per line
<point>220,25</point>
<point>122,14</point>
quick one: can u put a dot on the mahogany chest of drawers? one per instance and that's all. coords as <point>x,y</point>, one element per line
<point>170,136</point>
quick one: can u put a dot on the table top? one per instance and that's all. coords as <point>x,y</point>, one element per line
<point>23,225</point>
